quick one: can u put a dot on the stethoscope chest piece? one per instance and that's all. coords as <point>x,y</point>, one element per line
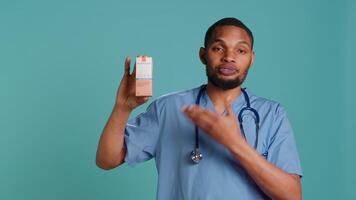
<point>196,156</point>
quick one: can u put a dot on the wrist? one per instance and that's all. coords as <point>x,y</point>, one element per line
<point>236,145</point>
<point>122,109</point>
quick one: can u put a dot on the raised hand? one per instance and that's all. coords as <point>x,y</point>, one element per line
<point>126,98</point>
<point>224,129</point>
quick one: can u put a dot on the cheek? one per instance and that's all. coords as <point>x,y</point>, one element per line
<point>246,60</point>
<point>244,72</point>
<point>213,57</point>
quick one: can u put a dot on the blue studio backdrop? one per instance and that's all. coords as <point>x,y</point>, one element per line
<point>61,63</point>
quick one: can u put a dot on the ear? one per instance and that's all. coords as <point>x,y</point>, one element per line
<point>202,55</point>
<point>252,58</point>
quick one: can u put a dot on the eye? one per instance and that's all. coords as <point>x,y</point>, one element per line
<point>241,51</point>
<point>218,49</point>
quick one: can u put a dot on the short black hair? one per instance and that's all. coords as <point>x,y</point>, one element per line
<point>229,21</point>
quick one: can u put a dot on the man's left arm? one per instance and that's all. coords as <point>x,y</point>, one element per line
<point>273,181</point>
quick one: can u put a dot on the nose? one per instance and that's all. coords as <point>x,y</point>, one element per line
<point>229,56</point>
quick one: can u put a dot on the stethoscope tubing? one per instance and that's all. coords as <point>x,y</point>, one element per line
<point>196,155</point>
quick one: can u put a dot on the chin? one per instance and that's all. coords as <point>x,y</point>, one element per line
<point>228,78</point>
<point>225,84</point>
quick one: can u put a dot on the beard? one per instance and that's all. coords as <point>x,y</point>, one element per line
<point>221,83</point>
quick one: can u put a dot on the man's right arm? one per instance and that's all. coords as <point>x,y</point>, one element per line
<point>111,151</point>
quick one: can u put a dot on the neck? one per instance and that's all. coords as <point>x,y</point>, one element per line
<point>221,98</point>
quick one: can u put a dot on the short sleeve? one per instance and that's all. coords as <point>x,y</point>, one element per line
<point>282,150</point>
<point>141,135</point>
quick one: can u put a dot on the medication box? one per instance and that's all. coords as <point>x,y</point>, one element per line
<point>144,76</point>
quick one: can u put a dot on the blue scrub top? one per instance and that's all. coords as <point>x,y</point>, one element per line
<point>164,133</point>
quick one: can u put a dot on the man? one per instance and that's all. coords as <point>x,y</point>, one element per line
<point>257,161</point>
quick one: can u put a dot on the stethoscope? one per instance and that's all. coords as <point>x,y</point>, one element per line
<point>196,155</point>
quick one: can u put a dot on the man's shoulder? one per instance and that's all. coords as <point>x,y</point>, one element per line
<point>179,95</point>
<point>262,100</point>
<point>263,103</point>
<point>177,98</point>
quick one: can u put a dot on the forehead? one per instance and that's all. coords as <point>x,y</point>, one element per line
<point>230,34</point>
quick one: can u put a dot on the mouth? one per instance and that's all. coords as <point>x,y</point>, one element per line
<point>227,70</point>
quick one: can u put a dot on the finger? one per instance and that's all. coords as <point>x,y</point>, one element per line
<point>183,108</point>
<point>127,66</point>
<point>144,99</point>
<point>134,71</point>
<point>201,117</point>
<point>192,111</point>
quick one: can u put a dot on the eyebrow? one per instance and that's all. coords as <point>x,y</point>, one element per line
<point>222,41</point>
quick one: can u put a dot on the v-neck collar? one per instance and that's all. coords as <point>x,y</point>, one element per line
<point>236,104</point>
